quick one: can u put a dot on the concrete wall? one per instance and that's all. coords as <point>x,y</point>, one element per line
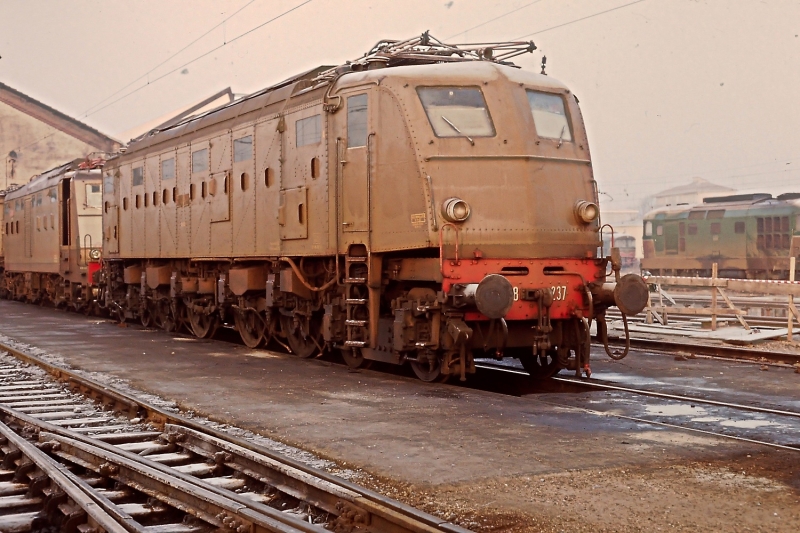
<point>39,147</point>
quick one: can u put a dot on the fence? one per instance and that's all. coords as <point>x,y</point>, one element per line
<point>719,288</point>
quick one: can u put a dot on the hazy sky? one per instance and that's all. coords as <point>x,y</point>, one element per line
<point>669,89</point>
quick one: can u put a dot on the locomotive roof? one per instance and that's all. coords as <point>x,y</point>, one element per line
<point>438,74</point>
<point>47,179</point>
<point>418,58</point>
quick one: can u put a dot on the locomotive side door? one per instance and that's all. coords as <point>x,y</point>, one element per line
<point>351,131</point>
<point>28,244</point>
<point>110,214</point>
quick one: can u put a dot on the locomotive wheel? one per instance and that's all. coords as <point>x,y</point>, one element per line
<point>203,326</point>
<point>354,358</point>
<point>146,317</point>
<point>305,346</point>
<point>163,316</point>
<point>540,367</point>
<point>428,368</point>
<point>251,327</point>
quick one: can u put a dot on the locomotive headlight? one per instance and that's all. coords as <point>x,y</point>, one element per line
<point>94,254</point>
<point>585,211</point>
<point>455,210</point>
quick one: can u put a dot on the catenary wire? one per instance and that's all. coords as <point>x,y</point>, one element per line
<point>492,20</point>
<point>577,20</point>
<point>124,96</point>
<point>86,113</point>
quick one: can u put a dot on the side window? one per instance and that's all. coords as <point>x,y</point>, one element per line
<point>549,115</point>
<point>648,229</point>
<point>108,184</point>
<point>138,176</point>
<point>308,130</point>
<point>200,161</point>
<point>168,169</point>
<point>243,149</point>
<point>357,121</point>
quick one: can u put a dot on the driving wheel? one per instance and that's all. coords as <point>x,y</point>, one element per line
<point>428,367</point>
<point>251,327</point>
<point>203,325</point>
<point>354,358</point>
<point>541,366</point>
<point>302,334</point>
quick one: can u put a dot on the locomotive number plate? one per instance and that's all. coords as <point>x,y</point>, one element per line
<point>559,292</point>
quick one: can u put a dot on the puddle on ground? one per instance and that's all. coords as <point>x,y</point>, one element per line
<point>626,379</point>
<point>674,410</point>
<point>748,424</point>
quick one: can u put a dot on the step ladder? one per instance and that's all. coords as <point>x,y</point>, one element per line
<point>356,301</point>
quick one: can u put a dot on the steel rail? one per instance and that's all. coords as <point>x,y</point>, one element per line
<point>600,384</point>
<point>208,503</point>
<point>396,515</point>
<point>729,352</point>
<point>673,426</point>
<point>69,483</point>
<point>655,422</point>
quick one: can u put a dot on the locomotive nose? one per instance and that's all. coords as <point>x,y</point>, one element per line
<point>494,296</point>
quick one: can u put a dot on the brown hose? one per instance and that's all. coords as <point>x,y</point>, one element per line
<point>616,355</point>
<point>303,278</point>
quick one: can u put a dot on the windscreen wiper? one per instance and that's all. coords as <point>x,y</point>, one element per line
<point>458,130</point>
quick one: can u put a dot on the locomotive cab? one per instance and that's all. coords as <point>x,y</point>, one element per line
<point>480,174</point>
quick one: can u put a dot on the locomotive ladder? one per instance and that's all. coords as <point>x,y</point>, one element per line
<point>356,302</point>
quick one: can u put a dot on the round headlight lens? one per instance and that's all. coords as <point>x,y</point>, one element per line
<point>94,254</point>
<point>455,210</point>
<point>586,212</point>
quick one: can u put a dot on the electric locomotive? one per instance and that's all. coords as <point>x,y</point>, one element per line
<point>425,203</point>
<point>746,235</point>
<point>52,236</point>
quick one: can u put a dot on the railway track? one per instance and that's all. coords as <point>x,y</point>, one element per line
<point>79,452</point>
<point>602,385</point>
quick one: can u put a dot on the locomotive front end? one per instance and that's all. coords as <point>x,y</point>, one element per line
<point>515,214</point>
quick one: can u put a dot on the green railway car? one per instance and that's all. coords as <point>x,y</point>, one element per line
<point>747,235</point>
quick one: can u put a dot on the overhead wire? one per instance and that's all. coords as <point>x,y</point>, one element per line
<point>492,20</point>
<point>201,56</point>
<point>577,20</point>
<point>86,113</point>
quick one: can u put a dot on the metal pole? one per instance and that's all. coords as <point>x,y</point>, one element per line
<point>790,314</point>
<point>714,298</point>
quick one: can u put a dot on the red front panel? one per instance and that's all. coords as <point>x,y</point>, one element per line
<point>564,278</point>
<point>93,267</point>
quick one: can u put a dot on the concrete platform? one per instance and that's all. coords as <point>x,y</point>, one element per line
<point>488,461</point>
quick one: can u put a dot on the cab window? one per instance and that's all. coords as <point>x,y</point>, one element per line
<point>457,111</point>
<point>549,115</point>
<point>357,121</point>
<point>94,196</point>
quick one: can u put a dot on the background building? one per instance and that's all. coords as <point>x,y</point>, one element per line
<point>690,193</point>
<point>35,137</point>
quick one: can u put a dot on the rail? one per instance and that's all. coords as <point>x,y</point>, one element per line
<point>185,438</point>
